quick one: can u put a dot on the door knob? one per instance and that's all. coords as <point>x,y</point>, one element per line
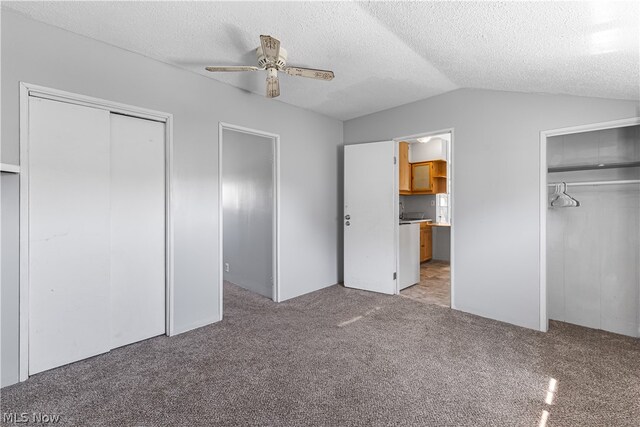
<point>347,223</point>
<point>347,217</point>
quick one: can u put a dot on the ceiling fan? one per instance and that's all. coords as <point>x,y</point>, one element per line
<point>273,58</point>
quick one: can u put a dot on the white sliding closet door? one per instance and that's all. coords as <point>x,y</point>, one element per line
<point>137,229</point>
<point>69,269</point>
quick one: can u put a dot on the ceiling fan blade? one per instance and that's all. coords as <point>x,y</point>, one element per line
<point>270,48</point>
<point>233,68</point>
<point>310,73</point>
<point>273,87</point>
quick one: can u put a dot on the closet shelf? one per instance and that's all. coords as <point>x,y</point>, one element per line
<point>593,166</point>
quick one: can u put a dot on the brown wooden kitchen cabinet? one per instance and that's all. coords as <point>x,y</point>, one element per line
<point>426,242</point>
<point>404,168</point>
<point>429,177</point>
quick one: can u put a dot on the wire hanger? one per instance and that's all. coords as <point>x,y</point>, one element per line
<point>562,199</point>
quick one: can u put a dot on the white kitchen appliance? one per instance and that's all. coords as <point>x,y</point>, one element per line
<point>409,255</point>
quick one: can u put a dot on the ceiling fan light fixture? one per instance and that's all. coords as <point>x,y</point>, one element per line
<point>273,58</point>
<point>273,85</point>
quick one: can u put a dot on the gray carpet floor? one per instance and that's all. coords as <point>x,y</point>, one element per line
<point>341,357</point>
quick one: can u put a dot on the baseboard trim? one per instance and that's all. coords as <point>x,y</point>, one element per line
<point>178,329</point>
<point>309,292</point>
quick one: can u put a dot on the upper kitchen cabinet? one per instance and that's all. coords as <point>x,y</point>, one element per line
<point>439,176</point>
<point>421,178</point>
<point>429,177</point>
<point>404,168</point>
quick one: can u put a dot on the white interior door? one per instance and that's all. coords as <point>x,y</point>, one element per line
<point>370,217</point>
<point>137,229</point>
<point>69,269</point>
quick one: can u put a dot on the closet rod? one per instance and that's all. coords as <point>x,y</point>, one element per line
<point>580,184</point>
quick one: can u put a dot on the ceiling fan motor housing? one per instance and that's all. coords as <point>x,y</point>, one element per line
<point>263,63</point>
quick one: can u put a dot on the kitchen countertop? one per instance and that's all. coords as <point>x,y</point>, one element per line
<point>414,221</point>
<point>429,221</point>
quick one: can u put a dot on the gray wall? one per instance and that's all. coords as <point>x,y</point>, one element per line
<point>9,270</point>
<point>247,200</point>
<point>496,185</point>
<point>41,54</point>
<point>420,203</point>
<point>593,251</point>
<point>441,243</point>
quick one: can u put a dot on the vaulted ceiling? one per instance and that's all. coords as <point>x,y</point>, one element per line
<point>384,54</point>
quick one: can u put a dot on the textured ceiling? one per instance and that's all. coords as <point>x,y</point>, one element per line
<point>384,54</point>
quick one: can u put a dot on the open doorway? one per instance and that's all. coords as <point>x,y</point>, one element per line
<point>248,217</point>
<point>386,241</point>
<point>424,169</point>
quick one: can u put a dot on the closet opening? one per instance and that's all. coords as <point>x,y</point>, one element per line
<point>248,216</point>
<point>590,227</point>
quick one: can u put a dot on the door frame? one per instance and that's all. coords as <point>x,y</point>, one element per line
<point>275,266</point>
<point>452,193</point>
<point>31,90</point>
<point>544,135</point>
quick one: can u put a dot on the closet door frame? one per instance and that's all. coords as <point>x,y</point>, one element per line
<point>30,90</point>
<point>632,121</point>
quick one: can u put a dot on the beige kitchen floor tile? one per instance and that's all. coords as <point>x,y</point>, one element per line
<point>434,286</point>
